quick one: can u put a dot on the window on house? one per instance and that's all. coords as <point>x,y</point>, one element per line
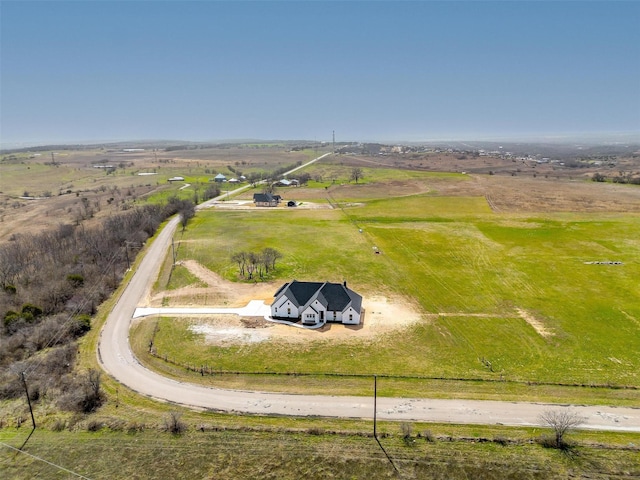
<point>350,317</point>
<point>288,311</point>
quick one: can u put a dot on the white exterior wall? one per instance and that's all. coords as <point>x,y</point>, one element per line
<point>280,307</point>
<point>355,317</point>
<point>310,316</point>
<point>283,307</point>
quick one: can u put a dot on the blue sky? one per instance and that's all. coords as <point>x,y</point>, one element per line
<point>386,71</point>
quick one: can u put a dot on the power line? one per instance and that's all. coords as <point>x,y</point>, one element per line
<point>45,461</point>
<point>61,331</point>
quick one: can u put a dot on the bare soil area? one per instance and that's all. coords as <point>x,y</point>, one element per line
<point>537,324</point>
<point>249,205</point>
<point>381,314</point>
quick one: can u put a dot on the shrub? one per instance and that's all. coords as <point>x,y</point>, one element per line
<point>80,325</point>
<point>135,427</point>
<point>30,312</point>
<point>94,426</point>
<point>173,424</point>
<point>561,421</point>
<point>407,430</point>
<point>9,317</point>
<point>59,425</point>
<point>75,279</point>
<point>501,441</point>
<point>429,436</point>
<point>83,395</point>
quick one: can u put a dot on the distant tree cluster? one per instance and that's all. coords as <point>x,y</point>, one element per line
<point>261,263</point>
<point>254,177</point>
<point>50,286</point>
<point>626,177</point>
<point>622,177</point>
<point>212,191</point>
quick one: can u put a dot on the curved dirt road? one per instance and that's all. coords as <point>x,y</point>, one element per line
<point>117,359</point>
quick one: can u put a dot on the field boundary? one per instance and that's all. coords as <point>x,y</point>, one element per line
<point>212,371</point>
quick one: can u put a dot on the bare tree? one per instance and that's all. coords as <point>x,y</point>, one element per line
<point>252,262</point>
<point>187,212</point>
<point>356,174</point>
<point>561,421</point>
<point>270,255</point>
<point>241,259</point>
<point>269,187</point>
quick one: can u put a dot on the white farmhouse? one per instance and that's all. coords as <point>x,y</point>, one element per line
<point>315,302</point>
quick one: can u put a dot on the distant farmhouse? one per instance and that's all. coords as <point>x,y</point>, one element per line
<point>288,183</point>
<point>219,178</point>
<point>314,303</point>
<point>266,199</point>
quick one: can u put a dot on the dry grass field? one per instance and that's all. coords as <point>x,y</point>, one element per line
<point>36,194</point>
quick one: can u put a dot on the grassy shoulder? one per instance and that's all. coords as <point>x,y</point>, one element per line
<point>212,450</point>
<point>174,338</point>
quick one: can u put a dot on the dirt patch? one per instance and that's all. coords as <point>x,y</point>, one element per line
<point>230,330</point>
<point>537,325</point>
<point>219,292</point>
<point>381,314</point>
<point>249,205</point>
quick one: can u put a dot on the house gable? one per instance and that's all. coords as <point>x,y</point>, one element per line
<point>313,302</point>
<point>266,199</point>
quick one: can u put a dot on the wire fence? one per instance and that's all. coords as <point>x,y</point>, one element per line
<point>209,370</point>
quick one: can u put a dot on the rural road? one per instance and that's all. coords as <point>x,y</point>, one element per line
<point>117,359</point>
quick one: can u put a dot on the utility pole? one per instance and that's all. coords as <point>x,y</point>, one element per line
<point>24,382</point>
<point>334,141</point>
<point>126,252</point>
<point>375,401</point>
<point>375,430</point>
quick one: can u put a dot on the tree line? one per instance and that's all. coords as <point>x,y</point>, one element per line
<point>260,263</point>
<point>50,286</point>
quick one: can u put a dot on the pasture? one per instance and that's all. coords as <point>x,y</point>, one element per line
<point>502,296</point>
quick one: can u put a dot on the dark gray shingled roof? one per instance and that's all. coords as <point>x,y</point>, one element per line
<point>334,296</point>
<point>263,197</point>
<point>301,292</point>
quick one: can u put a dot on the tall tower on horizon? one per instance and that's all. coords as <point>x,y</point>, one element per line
<point>334,141</point>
